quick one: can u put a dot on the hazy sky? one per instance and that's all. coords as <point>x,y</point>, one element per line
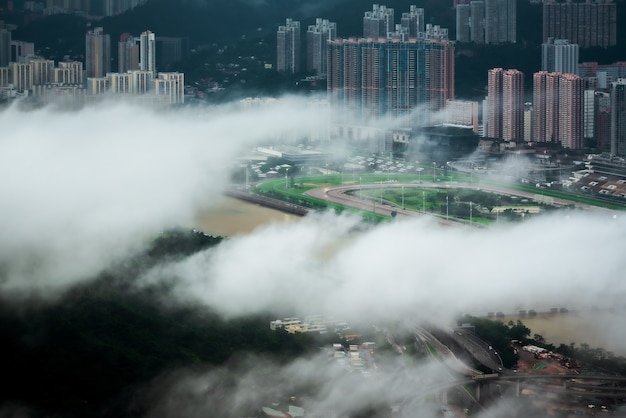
<point>81,190</point>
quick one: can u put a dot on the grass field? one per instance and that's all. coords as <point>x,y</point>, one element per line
<point>426,199</point>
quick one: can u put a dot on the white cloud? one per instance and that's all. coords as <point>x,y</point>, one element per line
<point>407,269</point>
<point>80,190</point>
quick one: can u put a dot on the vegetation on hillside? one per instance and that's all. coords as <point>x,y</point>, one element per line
<point>89,352</point>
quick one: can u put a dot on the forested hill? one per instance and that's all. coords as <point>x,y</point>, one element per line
<point>87,354</point>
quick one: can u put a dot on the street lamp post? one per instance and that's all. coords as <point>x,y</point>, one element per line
<point>286,179</point>
<point>360,188</point>
<point>447,216</point>
<point>470,212</point>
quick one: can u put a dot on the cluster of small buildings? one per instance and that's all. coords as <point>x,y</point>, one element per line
<point>22,73</point>
<point>81,7</point>
<point>358,357</point>
<point>314,323</point>
<point>604,175</point>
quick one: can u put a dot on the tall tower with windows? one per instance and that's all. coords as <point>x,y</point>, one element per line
<point>98,53</point>
<point>317,38</point>
<point>288,47</point>
<point>379,22</point>
<point>147,51</point>
<point>618,117</point>
<point>370,77</point>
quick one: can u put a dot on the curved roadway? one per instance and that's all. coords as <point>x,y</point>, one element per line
<point>340,195</point>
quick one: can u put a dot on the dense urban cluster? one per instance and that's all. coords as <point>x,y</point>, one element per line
<point>24,74</point>
<point>406,72</point>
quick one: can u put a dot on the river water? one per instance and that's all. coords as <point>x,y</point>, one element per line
<point>235,217</point>
<point>594,327</point>
<point>598,328</point>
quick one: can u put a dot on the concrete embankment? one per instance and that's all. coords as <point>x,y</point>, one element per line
<point>268,202</point>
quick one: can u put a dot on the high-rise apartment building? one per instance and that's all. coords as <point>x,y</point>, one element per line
<point>5,45</point>
<point>571,111</point>
<point>317,38</point>
<point>463,23</point>
<point>119,83</point>
<point>587,23</point>
<point>379,22</point>
<point>147,51</point>
<point>171,50</point>
<point>98,53</point>
<point>140,81</point>
<point>600,76</point>
<point>22,75</point>
<point>500,21</point>
<point>505,119</point>
<point>288,47</point>
<point>171,86</point>
<point>21,50</point>
<point>42,70</point>
<point>602,122</point>
<point>558,109</point>
<point>68,73</point>
<point>494,103</point>
<point>394,76</point>
<point>98,85</point>
<point>5,76</point>
<point>477,21</point>
<point>513,105</point>
<point>558,55</point>
<point>127,53</point>
<point>540,104</point>
<point>589,114</point>
<point>618,117</point>
<point>413,21</point>
<point>75,73</point>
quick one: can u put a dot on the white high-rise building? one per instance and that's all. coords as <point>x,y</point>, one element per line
<point>119,83</point>
<point>558,55</point>
<point>140,81</point>
<point>22,75</point>
<point>147,52</point>
<point>42,70</point>
<point>5,76</point>
<point>171,86</point>
<point>413,21</point>
<point>97,85</point>
<point>379,22</point>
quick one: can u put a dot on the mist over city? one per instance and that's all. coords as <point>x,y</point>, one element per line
<point>420,208</point>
